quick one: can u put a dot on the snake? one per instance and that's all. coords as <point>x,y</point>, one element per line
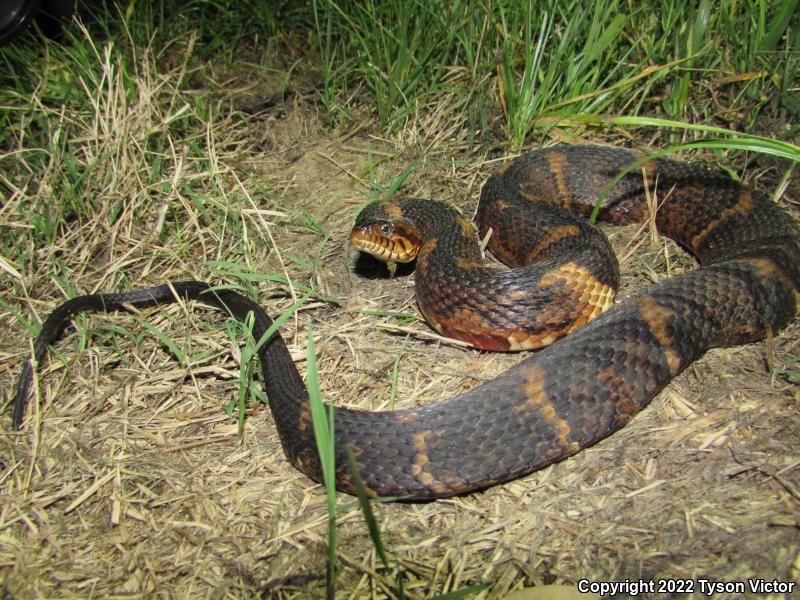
<point>599,362</point>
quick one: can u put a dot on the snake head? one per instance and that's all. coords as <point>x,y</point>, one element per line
<point>383,233</point>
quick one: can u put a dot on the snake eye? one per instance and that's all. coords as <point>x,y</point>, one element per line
<point>385,229</point>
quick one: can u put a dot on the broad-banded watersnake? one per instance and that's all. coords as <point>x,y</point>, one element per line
<point>579,389</point>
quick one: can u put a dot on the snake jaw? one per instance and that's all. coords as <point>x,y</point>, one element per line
<point>387,241</point>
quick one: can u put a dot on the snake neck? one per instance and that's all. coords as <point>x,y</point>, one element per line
<point>446,235</point>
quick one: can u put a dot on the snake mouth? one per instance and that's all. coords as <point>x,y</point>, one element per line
<point>387,241</point>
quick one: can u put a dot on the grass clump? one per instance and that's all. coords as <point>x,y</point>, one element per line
<point>535,62</point>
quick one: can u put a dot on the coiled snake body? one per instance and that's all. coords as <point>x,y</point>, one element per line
<point>578,390</point>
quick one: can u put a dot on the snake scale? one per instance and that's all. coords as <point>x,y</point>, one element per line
<point>577,390</point>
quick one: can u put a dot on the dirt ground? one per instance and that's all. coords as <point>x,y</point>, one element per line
<point>129,479</point>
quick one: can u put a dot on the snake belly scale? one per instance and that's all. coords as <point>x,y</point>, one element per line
<point>578,389</point>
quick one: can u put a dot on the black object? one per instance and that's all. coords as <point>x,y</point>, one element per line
<point>16,15</point>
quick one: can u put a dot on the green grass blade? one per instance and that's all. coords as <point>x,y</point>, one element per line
<point>787,9</point>
<point>179,354</point>
<point>743,143</point>
<point>322,420</point>
<point>366,509</point>
<point>463,592</point>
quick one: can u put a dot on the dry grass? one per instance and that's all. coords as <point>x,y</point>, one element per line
<point>129,480</point>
